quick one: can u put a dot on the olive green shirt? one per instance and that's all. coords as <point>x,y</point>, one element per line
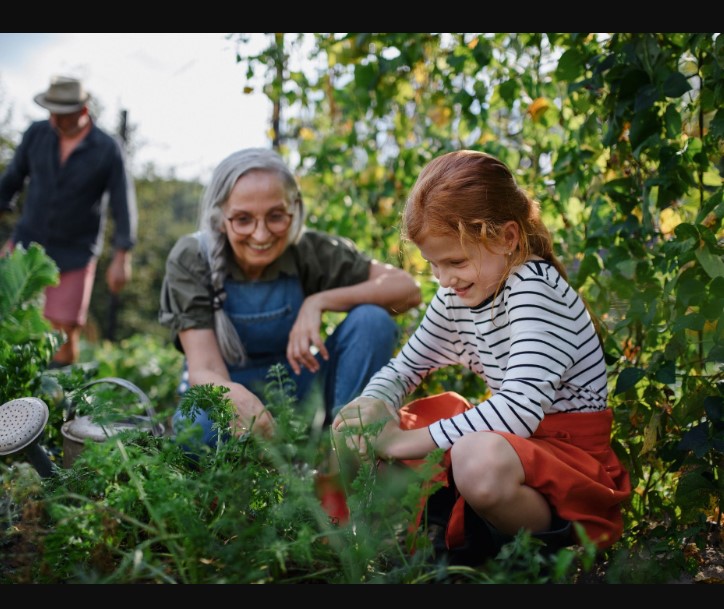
<point>321,261</point>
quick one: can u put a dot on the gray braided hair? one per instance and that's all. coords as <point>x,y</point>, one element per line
<point>211,219</point>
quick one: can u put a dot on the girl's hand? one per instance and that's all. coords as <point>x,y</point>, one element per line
<point>362,411</point>
<point>360,414</point>
<point>391,442</point>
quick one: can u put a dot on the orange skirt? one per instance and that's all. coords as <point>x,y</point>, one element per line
<point>568,459</point>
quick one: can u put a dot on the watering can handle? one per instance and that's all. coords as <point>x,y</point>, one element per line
<point>156,428</point>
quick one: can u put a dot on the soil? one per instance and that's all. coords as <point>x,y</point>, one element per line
<point>709,563</point>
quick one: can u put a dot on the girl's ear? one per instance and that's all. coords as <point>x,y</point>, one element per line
<point>511,235</point>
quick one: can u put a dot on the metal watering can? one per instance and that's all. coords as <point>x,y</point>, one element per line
<point>23,420</point>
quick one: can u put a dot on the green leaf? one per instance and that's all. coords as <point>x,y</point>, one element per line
<point>716,354</point>
<point>716,127</point>
<point>676,85</point>
<point>590,265</point>
<point>644,125</point>
<point>694,321</point>
<point>365,77</point>
<point>695,489</point>
<point>719,50</point>
<point>570,65</point>
<point>509,91</point>
<point>713,265</point>
<point>716,287</point>
<point>696,440</point>
<point>646,97</point>
<point>690,289</point>
<point>666,373</point>
<point>672,120</point>
<point>628,379</point>
<point>24,275</point>
<point>714,407</point>
<point>686,230</point>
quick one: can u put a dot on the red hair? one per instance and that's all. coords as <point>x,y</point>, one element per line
<point>472,195</point>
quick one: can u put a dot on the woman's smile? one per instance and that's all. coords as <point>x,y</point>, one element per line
<point>256,194</point>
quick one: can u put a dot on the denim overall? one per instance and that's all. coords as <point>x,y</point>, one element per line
<point>263,313</point>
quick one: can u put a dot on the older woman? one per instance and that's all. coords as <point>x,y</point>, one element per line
<point>249,290</point>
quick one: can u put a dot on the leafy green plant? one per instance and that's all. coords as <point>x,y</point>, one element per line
<point>27,341</point>
<point>140,509</point>
<point>149,362</point>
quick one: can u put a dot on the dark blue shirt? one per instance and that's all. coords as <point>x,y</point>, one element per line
<point>64,208</point>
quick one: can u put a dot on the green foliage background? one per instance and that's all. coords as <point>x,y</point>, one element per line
<point>620,137</point>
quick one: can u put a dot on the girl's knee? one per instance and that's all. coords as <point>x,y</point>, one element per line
<point>481,467</point>
<point>481,447</point>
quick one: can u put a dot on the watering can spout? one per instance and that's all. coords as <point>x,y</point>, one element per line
<point>40,461</point>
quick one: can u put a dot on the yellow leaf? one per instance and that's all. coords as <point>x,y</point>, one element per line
<point>440,115</point>
<point>538,108</point>
<point>650,434</point>
<point>386,205</point>
<point>306,133</point>
<point>420,73</point>
<point>669,219</point>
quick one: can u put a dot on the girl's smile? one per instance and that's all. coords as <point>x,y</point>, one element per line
<point>474,273</point>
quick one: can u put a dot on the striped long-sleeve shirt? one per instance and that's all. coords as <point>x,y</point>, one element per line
<point>534,345</point>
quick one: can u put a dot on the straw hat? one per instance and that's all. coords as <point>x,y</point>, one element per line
<point>64,96</point>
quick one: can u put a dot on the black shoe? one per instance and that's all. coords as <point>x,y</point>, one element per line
<point>560,535</point>
<point>53,365</point>
<point>482,540</point>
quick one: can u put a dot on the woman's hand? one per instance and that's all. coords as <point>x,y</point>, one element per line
<point>306,336</point>
<point>367,445</point>
<point>251,414</point>
<point>207,366</point>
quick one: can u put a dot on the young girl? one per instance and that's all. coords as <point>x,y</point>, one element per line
<point>535,454</point>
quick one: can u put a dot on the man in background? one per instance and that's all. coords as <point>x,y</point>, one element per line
<point>66,165</point>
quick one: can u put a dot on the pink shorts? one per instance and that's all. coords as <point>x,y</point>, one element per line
<point>68,302</point>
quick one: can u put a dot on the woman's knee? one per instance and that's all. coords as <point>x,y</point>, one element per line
<point>195,431</point>
<point>371,322</point>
